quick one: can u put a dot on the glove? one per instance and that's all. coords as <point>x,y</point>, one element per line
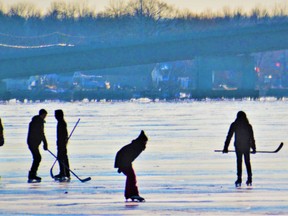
<point>254,151</point>
<point>225,151</point>
<point>45,147</point>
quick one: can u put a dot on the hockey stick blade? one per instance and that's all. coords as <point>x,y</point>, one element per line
<point>275,151</point>
<point>86,179</point>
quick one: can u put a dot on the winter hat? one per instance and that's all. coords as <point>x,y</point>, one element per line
<point>142,136</point>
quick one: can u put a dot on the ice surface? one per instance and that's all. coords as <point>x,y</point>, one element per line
<point>178,173</point>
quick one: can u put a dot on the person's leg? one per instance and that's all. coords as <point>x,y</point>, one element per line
<point>66,167</point>
<point>60,162</point>
<point>131,188</point>
<point>36,162</point>
<point>63,163</point>
<point>248,168</point>
<point>239,167</point>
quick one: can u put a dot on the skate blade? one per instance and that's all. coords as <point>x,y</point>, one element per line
<point>62,179</point>
<point>238,186</point>
<point>134,200</point>
<point>33,181</point>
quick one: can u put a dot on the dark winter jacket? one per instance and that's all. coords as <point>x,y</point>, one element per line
<point>62,134</point>
<point>1,134</point>
<point>244,137</point>
<point>126,155</point>
<point>36,132</point>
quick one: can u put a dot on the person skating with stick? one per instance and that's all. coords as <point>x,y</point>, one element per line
<point>243,142</point>
<point>66,166</point>
<point>35,136</point>
<point>123,161</point>
<point>62,140</point>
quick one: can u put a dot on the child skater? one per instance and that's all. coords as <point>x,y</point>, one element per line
<point>123,161</point>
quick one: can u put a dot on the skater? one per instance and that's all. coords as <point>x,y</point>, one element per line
<point>62,139</point>
<point>243,142</point>
<point>1,133</point>
<point>123,161</point>
<point>36,135</point>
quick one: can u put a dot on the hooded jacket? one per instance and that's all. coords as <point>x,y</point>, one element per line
<point>127,154</point>
<point>36,132</point>
<point>62,133</point>
<point>244,137</point>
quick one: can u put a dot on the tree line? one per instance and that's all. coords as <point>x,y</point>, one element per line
<point>155,9</point>
<point>77,22</point>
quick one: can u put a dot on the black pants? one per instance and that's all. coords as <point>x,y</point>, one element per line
<point>63,161</point>
<point>36,158</point>
<point>131,188</point>
<point>239,156</point>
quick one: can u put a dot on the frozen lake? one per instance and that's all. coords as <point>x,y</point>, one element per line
<point>178,173</point>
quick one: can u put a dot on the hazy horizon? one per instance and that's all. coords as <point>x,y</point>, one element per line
<point>192,5</point>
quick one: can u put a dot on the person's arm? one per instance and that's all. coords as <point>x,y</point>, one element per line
<point>45,144</point>
<point>252,140</point>
<point>1,128</point>
<point>228,138</point>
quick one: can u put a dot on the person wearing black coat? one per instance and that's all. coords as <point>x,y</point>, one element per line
<point>1,133</point>
<point>35,136</point>
<point>243,142</point>
<point>123,161</point>
<point>62,139</point>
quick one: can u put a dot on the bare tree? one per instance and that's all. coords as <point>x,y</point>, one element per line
<point>154,9</point>
<point>24,10</point>
<point>280,9</point>
<point>63,10</point>
<point>116,9</point>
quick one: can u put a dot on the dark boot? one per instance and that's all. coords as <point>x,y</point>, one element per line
<point>59,176</point>
<point>238,182</point>
<point>249,181</point>
<point>32,177</point>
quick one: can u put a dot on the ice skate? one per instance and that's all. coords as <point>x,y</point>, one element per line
<point>249,182</point>
<point>137,199</point>
<point>61,178</point>
<point>238,183</point>
<point>32,178</point>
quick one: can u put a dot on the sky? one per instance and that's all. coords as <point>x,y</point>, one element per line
<point>193,5</point>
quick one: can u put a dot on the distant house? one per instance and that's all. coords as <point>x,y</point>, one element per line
<point>161,74</point>
<point>170,75</point>
<point>89,82</point>
<point>47,81</point>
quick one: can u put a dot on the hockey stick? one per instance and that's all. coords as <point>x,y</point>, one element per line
<point>82,180</point>
<point>275,151</point>
<point>51,170</point>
